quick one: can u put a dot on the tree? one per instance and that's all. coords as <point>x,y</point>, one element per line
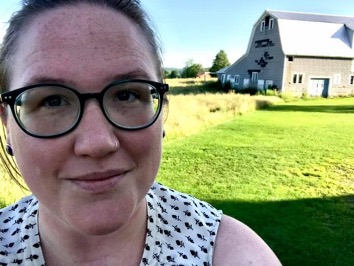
<point>166,73</point>
<point>174,74</point>
<point>220,61</point>
<point>191,69</point>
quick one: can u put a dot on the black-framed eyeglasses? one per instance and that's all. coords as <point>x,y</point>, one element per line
<point>52,110</point>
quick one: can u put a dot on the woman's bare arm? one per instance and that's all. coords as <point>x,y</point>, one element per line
<point>237,244</point>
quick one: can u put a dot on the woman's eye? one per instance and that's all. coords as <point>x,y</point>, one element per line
<point>54,101</point>
<point>126,96</point>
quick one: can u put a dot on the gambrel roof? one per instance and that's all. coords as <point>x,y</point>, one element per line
<point>308,34</point>
<point>348,21</point>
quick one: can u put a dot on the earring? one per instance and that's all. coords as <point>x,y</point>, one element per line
<point>163,133</point>
<point>9,150</point>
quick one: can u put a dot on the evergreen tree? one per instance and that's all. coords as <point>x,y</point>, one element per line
<point>220,61</point>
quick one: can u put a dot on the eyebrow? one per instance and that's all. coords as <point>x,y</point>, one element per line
<point>136,74</point>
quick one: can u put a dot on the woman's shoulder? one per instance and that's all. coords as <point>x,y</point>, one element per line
<point>237,244</point>
<point>231,242</point>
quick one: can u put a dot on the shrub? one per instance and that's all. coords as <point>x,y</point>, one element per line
<point>288,97</point>
<point>305,96</point>
<point>228,87</point>
<point>272,92</point>
<point>250,90</point>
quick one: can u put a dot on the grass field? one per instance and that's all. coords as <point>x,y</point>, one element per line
<point>287,170</point>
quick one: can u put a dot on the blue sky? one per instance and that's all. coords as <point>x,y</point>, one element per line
<point>199,29</point>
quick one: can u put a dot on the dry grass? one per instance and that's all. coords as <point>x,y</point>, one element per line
<point>196,104</point>
<point>189,114</point>
<point>10,191</point>
<point>175,83</point>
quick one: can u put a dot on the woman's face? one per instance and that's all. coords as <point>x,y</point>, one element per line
<point>82,179</point>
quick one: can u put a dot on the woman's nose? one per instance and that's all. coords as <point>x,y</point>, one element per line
<point>95,135</point>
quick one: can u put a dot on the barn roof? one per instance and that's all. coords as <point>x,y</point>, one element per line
<point>309,34</point>
<point>311,17</point>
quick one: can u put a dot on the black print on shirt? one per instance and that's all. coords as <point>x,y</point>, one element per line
<point>181,230</point>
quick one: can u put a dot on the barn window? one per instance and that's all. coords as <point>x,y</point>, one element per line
<point>237,79</point>
<point>294,78</point>
<point>267,23</point>
<point>351,80</point>
<point>254,77</point>
<point>271,24</point>
<point>337,79</point>
<point>297,78</point>
<point>262,25</point>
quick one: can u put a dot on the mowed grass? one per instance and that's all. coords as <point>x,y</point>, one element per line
<point>287,171</point>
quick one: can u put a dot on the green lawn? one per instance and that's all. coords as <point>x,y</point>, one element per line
<point>286,171</point>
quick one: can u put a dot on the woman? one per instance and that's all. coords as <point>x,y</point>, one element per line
<point>82,104</point>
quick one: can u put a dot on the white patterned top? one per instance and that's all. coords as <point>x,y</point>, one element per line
<point>181,230</point>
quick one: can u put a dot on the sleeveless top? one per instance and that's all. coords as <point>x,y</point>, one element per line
<point>181,230</point>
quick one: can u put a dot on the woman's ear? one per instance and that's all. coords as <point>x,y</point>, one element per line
<point>3,114</point>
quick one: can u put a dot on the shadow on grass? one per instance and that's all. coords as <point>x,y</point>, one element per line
<point>301,232</point>
<point>195,88</point>
<point>312,108</point>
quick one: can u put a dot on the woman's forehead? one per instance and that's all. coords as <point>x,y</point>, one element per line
<point>86,37</point>
<point>83,22</point>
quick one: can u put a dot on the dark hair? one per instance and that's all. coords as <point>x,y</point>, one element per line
<point>32,8</point>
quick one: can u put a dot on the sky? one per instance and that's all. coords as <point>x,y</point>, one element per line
<point>199,29</point>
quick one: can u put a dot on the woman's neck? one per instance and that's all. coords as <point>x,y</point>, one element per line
<point>61,245</point>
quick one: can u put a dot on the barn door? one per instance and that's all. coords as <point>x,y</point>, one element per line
<point>319,87</point>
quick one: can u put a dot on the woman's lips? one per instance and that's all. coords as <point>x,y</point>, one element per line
<point>98,183</point>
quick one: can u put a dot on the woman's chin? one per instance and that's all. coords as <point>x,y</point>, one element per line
<point>101,218</point>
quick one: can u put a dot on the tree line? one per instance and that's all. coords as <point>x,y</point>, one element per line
<point>192,70</point>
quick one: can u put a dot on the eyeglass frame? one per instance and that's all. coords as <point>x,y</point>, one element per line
<point>10,98</point>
